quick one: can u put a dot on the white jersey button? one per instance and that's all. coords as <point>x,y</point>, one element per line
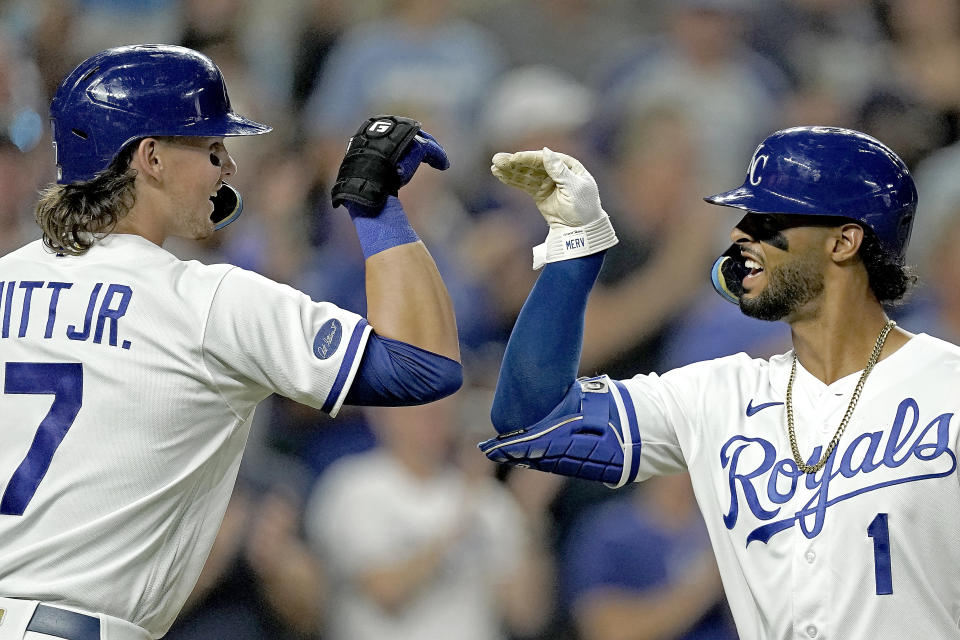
<point>810,556</point>
<point>812,631</point>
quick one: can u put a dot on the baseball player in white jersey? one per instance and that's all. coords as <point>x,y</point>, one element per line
<point>827,475</point>
<point>129,378</point>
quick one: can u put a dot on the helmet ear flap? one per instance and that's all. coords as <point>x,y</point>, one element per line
<point>227,206</point>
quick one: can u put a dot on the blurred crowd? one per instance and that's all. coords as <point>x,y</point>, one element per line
<point>389,522</point>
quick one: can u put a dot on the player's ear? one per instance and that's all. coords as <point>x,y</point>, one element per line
<point>845,242</point>
<point>146,158</point>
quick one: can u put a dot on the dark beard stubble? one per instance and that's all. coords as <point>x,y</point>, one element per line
<point>789,287</point>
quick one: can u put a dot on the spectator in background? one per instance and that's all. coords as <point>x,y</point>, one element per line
<point>99,24</point>
<point>420,541</point>
<point>834,52</point>
<point>260,582</point>
<point>703,65</point>
<point>18,184</point>
<point>575,36</point>
<point>212,26</point>
<point>926,43</point>
<point>640,567</point>
<point>909,125</point>
<point>667,239</point>
<point>936,178</point>
<point>936,310</point>
<point>22,97</point>
<point>318,29</point>
<point>535,106</point>
<point>420,54</point>
<point>217,28</point>
<point>44,28</point>
<point>274,240</point>
<point>926,54</point>
<point>660,313</point>
<point>529,107</point>
<point>251,43</point>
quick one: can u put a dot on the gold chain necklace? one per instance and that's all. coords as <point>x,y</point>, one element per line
<point>878,347</point>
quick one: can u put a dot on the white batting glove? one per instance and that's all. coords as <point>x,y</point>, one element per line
<point>568,198</point>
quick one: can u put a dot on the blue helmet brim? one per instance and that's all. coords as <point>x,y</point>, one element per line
<point>227,125</point>
<point>763,201</point>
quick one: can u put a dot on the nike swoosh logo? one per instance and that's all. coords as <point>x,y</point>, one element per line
<point>760,407</point>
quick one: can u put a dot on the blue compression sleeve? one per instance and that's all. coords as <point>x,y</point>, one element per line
<point>396,374</point>
<point>543,353</point>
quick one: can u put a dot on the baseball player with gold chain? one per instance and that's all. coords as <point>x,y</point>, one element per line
<point>827,475</point>
<point>129,378</point>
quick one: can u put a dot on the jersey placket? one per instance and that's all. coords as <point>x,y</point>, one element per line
<point>819,409</point>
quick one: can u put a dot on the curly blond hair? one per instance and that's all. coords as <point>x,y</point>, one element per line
<point>74,216</point>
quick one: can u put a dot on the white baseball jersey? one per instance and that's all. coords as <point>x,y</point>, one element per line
<point>129,380</point>
<point>866,548</point>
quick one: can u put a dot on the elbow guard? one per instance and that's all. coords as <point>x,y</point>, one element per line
<point>592,434</point>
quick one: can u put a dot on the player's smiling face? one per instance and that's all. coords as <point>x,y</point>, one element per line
<point>786,261</point>
<point>198,167</point>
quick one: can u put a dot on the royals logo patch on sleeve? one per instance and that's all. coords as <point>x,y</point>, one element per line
<point>327,339</point>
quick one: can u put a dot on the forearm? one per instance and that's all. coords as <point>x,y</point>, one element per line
<point>296,590</point>
<point>392,587</point>
<point>543,353</point>
<point>526,599</point>
<point>406,298</point>
<point>408,301</point>
<point>224,550</point>
<point>289,576</point>
<point>617,614</point>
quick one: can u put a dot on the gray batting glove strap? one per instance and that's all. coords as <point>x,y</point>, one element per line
<point>368,173</point>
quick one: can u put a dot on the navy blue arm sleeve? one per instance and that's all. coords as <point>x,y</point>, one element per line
<point>543,354</point>
<point>396,374</point>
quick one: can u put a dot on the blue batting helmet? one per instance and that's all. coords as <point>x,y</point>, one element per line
<point>822,171</point>
<point>131,92</point>
<point>828,171</point>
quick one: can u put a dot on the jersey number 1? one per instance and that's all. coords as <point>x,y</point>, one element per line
<point>880,532</point>
<point>64,381</point>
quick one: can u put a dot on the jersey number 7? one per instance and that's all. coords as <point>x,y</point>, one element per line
<point>64,381</point>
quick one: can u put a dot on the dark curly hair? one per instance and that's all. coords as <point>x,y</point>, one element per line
<point>889,279</point>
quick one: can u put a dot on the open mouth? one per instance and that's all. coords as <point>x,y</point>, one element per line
<point>213,198</point>
<point>751,269</point>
